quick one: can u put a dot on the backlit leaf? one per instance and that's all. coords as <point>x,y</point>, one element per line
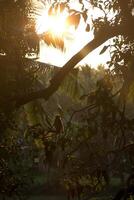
<point>87,28</point>
<point>73,20</point>
<point>62,7</point>
<point>103,49</point>
<point>50,11</point>
<point>85,16</point>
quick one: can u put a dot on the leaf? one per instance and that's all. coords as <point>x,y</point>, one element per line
<point>73,20</point>
<point>103,49</point>
<point>50,11</point>
<point>87,28</point>
<point>62,7</point>
<point>72,11</point>
<point>100,6</point>
<point>77,20</point>
<point>84,15</point>
<point>46,38</point>
<point>56,7</point>
<point>53,40</point>
<point>59,43</point>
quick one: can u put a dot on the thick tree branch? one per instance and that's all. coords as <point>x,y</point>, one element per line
<point>103,35</point>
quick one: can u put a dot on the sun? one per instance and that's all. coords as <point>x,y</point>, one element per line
<point>58,26</point>
<point>55,24</point>
<point>74,39</point>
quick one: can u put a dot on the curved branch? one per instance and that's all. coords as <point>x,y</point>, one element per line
<point>103,35</point>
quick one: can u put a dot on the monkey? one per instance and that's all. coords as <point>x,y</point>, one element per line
<point>58,124</point>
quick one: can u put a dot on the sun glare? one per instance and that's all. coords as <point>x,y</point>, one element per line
<point>74,39</point>
<point>56,24</point>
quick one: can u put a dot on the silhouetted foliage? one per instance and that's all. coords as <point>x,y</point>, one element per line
<point>94,140</point>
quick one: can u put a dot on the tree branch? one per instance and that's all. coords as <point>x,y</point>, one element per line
<point>101,37</point>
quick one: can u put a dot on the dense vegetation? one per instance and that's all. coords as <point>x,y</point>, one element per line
<point>81,139</point>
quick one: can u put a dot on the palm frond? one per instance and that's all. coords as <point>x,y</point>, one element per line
<point>72,85</point>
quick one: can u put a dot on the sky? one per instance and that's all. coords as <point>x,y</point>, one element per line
<point>56,57</point>
<point>78,38</point>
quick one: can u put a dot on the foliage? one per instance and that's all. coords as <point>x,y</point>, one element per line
<point>96,135</point>
<point>95,142</point>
